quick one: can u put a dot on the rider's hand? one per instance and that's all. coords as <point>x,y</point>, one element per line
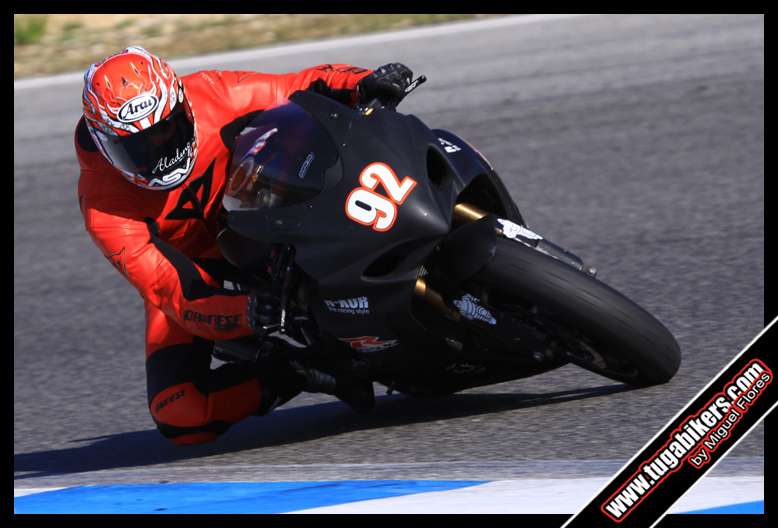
<point>264,311</point>
<point>387,83</point>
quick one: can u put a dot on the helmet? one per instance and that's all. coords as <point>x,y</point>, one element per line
<point>140,119</point>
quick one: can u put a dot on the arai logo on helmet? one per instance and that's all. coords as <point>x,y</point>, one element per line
<point>138,108</point>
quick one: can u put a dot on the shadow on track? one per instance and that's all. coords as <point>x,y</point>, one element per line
<point>283,426</point>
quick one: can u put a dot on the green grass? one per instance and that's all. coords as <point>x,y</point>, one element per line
<point>72,26</point>
<point>70,31</point>
<point>75,43</point>
<point>29,29</point>
<point>123,24</point>
<point>152,31</point>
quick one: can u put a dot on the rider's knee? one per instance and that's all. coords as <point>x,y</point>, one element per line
<point>182,416</point>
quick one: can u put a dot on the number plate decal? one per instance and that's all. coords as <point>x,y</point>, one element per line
<point>367,207</point>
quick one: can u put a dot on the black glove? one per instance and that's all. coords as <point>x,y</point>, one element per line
<point>264,311</point>
<point>387,83</point>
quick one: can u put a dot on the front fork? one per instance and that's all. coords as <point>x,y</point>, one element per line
<point>465,213</point>
<point>494,326</point>
<point>513,231</point>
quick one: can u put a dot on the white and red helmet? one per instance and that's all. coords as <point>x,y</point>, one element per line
<point>139,117</point>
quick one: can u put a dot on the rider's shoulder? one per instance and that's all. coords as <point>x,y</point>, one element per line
<point>206,80</point>
<point>220,83</point>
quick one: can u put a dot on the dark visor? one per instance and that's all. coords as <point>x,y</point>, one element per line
<point>155,151</point>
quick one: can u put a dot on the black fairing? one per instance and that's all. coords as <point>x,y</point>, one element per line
<point>344,258</point>
<point>464,252</point>
<point>477,183</point>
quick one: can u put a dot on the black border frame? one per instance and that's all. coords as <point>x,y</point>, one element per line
<point>298,6</point>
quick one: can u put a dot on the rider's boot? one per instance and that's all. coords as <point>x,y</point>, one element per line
<point>282,383</point>
<point>357,394</point>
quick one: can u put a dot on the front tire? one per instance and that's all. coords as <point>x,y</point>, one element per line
<point>599,328</point>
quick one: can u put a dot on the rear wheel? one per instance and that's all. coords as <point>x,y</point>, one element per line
<point>597,328</point>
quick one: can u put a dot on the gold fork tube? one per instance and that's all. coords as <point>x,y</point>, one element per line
<point>467,213</point>
<point>433,298</point>
<point>462,213</point>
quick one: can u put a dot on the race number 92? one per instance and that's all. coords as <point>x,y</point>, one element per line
<point>367,207</point>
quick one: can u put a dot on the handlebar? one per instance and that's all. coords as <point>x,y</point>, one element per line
<point>376,102</point>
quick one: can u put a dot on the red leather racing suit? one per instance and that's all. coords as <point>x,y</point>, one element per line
<point>164,241</point>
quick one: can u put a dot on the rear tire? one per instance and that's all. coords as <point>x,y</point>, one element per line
<point>601,329</point>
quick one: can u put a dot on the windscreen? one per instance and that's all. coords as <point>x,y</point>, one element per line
<point>279,159</point>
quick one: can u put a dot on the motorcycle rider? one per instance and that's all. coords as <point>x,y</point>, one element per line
<point>153,149</point>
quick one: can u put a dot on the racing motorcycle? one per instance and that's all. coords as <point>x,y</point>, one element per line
<point>399,248</point>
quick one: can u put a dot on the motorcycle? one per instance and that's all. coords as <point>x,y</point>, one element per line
<point>400,257</point>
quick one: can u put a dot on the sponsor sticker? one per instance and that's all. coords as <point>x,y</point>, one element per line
<point>470,307</point>
<point>353,306</point>
<point>137,108</point>
<point>515,231</point>
<point>220,322</point>
<point>307,163</point>
<point>448,146</point>
<point>166,163</point>
<point>170,399</point>
<point>369,343</point>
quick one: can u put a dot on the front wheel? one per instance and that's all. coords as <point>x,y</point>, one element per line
<point>597,327</point>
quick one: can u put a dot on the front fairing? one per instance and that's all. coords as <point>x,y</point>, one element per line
<point>362,278</point>
<point>329,245</point>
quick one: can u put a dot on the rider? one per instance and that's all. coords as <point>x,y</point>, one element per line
<point>153,149</point>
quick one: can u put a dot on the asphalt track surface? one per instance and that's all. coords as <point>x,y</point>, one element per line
<point>635,141</point>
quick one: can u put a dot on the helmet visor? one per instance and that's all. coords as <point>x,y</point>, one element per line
<point>156,153</point>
